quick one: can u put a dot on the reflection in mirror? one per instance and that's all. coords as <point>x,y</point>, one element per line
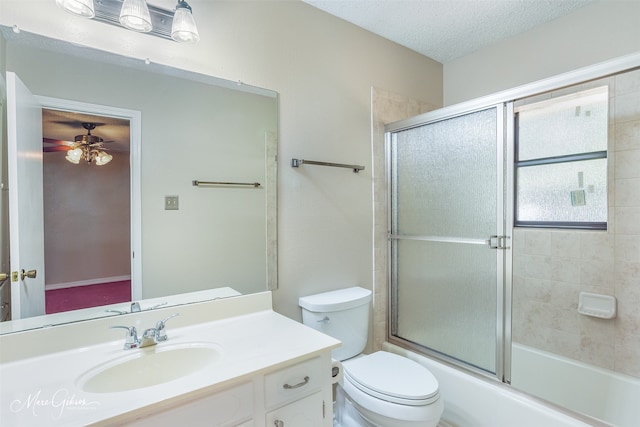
<point>193,127</point>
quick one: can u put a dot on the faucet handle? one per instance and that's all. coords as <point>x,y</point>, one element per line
<point>131,339</point>
<point>161,334</point>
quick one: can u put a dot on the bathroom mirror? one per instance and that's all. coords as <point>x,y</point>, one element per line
<point>221,241</point>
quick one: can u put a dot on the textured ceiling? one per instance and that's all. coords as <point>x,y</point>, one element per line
<point>448,29</point>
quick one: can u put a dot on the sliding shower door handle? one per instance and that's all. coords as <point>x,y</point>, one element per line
<point>498,242</point>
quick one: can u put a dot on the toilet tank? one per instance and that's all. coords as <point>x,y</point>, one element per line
<point>342,314</point>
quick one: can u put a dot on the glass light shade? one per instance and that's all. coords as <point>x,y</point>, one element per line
<point>74,155</point>
<point>183,28</point>
<point>102,158</point>
<point>135,16</point>
<point>83,8</point>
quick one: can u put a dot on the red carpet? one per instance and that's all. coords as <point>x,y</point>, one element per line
<point>58,300</point>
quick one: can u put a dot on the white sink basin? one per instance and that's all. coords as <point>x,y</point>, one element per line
<point>149,366</point>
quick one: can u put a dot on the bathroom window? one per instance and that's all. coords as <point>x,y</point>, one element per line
<point>561,161</point>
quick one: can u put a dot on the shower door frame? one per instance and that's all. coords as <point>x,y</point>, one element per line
<point>503,220</point>
<point>507,98</point>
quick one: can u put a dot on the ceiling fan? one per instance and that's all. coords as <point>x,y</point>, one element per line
<point>89,148</point>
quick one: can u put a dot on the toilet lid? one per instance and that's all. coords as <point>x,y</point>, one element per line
<point>393,378</point>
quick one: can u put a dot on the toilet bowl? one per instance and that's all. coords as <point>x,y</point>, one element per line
<point>381,389</point>
<point>389,390</point>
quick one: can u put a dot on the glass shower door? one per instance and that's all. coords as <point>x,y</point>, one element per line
<point>446,232</point>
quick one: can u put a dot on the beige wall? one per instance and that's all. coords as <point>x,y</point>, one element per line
<point>323,69</point>
<point>551,267</point>
<point>605,30</point>
<point>86,219</point>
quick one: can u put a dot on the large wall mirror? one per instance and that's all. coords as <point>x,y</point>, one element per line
<point>220,234</point>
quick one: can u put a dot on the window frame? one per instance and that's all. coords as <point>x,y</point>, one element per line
<point>569,158</point>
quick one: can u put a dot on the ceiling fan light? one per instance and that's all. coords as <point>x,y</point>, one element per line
<point>82,8</point>
<point>135,16</point>
<point>74,155</point>
<point>102,158</point>
<point>183,28</point>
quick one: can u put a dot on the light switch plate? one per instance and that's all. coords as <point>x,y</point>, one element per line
<point>171,203</point>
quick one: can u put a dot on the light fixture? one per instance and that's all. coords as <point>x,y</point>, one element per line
<point>183,28</point>
<point>88,148</point>
<point>135,16</point>
<point>83,8</point>
<point>102,158</point>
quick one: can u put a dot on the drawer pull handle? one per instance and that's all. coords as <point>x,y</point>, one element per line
<point>278,423</point>
<point>300,384</point>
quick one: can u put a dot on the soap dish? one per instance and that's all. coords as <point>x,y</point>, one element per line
<point>597,305</point>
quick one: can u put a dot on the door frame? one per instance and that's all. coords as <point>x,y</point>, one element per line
<point>135,132</point>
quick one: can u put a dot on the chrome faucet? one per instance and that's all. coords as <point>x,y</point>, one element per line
<point>151,336</point>
<point>131,340</point>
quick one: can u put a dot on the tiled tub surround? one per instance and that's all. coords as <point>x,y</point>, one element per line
<point>545,309</point>
<point>551,267</point>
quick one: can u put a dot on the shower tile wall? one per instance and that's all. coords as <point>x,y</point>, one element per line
<point>551,267</point>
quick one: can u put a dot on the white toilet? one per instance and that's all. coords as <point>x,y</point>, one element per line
<point>381,389</point>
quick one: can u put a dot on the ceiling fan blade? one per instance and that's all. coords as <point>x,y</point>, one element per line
<point>57,142</point>
<point>54,148</point>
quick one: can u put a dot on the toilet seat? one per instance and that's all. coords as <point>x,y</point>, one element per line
<point>392,378</point>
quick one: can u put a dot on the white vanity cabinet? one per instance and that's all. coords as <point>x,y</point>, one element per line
<point>268,371</point>
<point>296,395</point>
<point>294,398</point>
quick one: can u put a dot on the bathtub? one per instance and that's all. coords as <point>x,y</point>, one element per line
<point>472,401</point>
<point>600,393</point>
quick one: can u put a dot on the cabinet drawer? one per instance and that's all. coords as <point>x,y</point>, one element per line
<point>293,382</point>
<point>306,412</point>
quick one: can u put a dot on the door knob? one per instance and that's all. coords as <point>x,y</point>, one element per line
<point>3,277</point>
<point>31,274</point>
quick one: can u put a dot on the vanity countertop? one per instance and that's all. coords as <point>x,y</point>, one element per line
<point>43,390</point>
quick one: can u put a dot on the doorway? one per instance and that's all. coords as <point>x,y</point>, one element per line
<point>87,212</point>
<point>114,263</point>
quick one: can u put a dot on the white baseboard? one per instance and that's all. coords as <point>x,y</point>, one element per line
<point>51,287</point>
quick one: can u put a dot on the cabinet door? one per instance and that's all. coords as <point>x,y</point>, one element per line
<point>223,409</point>
<point>307,412</point>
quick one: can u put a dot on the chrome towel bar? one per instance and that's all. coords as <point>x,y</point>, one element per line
<point>297,162</point>
<point>197,183</point>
